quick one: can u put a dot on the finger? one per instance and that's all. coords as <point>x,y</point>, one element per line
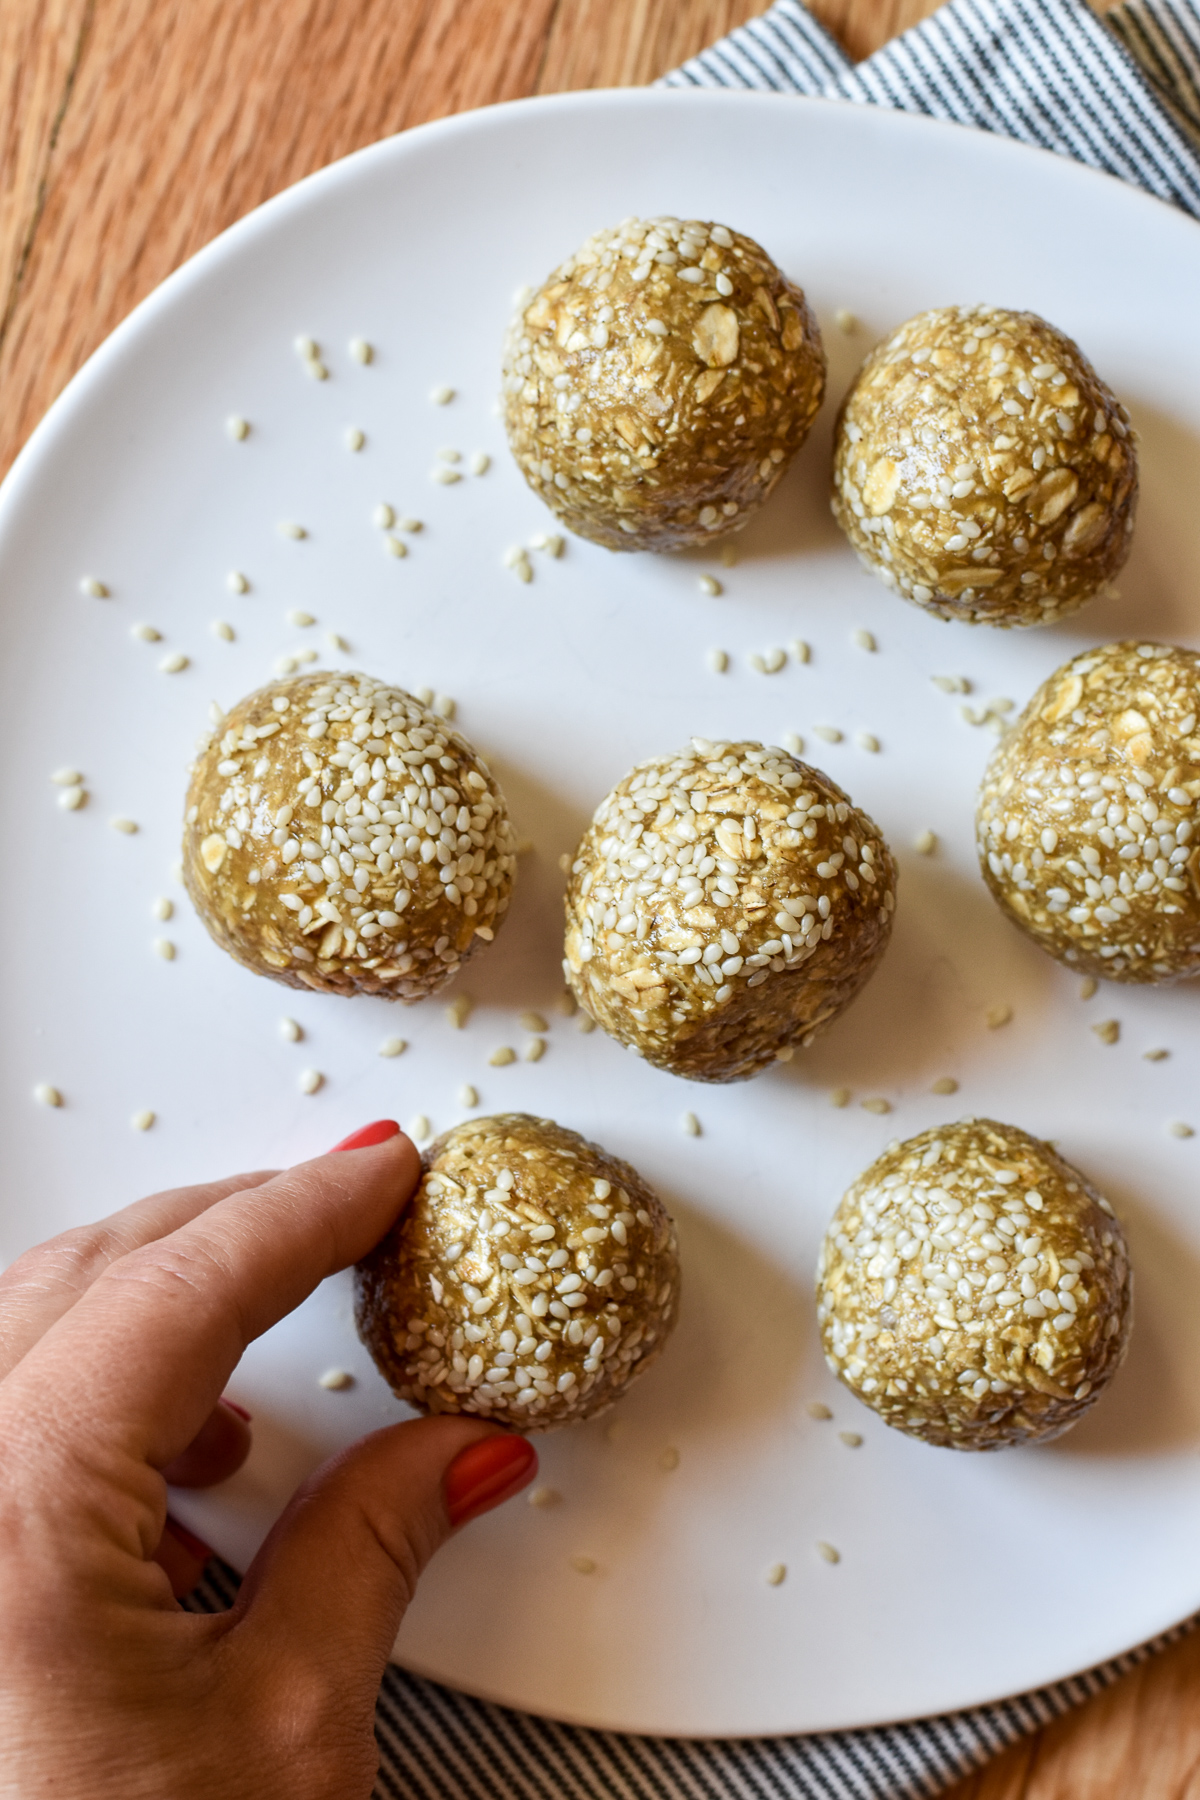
<point>326,1593</point>
<point>138,1363</point>
<point>217,1451</point>
<point>183,1556</point>
<point>37,1289</point>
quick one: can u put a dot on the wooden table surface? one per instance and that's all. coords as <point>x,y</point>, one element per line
<point>132,131</point>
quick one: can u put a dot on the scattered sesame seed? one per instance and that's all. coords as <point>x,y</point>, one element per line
<point>516,558</point>
<point>793,743</point>
<point>221,629</point>
<point>410,525</point>
<point>67,777</point>
<point>306,348</point>
<point>290,1031</point>
<point>448,455</point>
<point>384,516</point>
<point>236,582</point>
<point>479,462</point>
<point>951,684</point>
<point>708,584</point>
<point>237,427</point>
<point>420,1129</point>
<point>828,1553</point>
<point>543,1496</point>
<point>776,1574</point>
<point>165,948</point>
<point>1177,1128</point>
<point>299,618</point>
<point>310,1080</point>
<point>867,740</point>
<point>46,1095</point>
<point>95,590</point>
<point>845,321</point>
<point>926,843</point>
<point>72,798</point>
<point>360,350</point>
<point>533,1021</point>
<point>767,662</point>
<point>146,634</point>
<point>335,1381</point>
<point>1088,987</point>
<point>336,641</point>
<point>1108,1031</point>
<point>863,640</point>
<point>535,1049</point>
<point>355,439</point>
<point>316,368</point>
<point>586,1023</point>
<point>289,529</point>
<point>828,734</point>
<point>127,826</point>
<point>840,1097</point>
<point>817,1409</point>
<point>852,1439</point>
<point>945,1084</point>
<point>691,1124</point>
<point>445,706</point>
<point>500,1059</point>
<point>876,1106</point>
<point>583,1565</point>
<point>785,1053</point>
<point>442,396</point>
<point>801,651</point>
<point>163,909</point>
<point>1155,1055</point>
<point>285,665</point>
<point>142,1121</point>
<point>566,1004</point>
<point>459,1010</point>
<point>718,661</point>
<point>395,546</point>
<point>998,1015</point>
<point>468,1096</point>
<point>394,1046</point>
<point>669,1459</point>
<point>173,664</point>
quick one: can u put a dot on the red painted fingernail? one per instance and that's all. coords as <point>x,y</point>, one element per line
<point>234,1407</point>
<point>486,1473</point>
<point>378,1133</point>
<point>191,1543</point>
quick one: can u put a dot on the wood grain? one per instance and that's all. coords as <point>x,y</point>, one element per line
<point>132,131</point>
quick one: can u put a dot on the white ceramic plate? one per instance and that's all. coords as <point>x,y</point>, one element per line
<point>962,1578</point>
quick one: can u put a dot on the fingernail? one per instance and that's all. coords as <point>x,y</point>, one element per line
<point>378,1133</point>
<point>234,1407</point>
<point>486,1473</point>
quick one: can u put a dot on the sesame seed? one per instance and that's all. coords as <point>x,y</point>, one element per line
<point>126,826</point>
<point>690,1124</point>
<point>801,651</point>
<point>220,629</point>
<point>479,462</point>
<point>866,740</point>
<point>535,1049</point>
<point>306,348</point>
<point>237,427</point>
<point>336,641</point>
<point>1177,1128</point>
<point>361,351</point>
<point>300,619</point>
<point>876,1106</point>
<point>1088,987</point>
<point>500,1059</point>
<point>586,1023</point>
<point>459,1010</point>
<point>393,1046</point>
<point>355,439</point>
<point>851,1439</point>
<point>583,1565</point>
<point>926,843</point>
<point>236,582</point>
<point>468,1096</point>
<point>828,734</point>
<point>95,590</point>
<point>533,1021</point>
<point>290,1031</point>
<point>163,908</point>
<point>817,1409</point>
<point>394,546</point>
<point>718,661</point>
<point>384,516</point>
<point>863,640</point>
<point>72,798</point>
<point>828,1554</point>
<point>669,1459</point>
<point>840,1097</point>
<point>845,321</point>
<point>441,396</point>
<point>1108,1031</point>
<point>67,777</point>
<point>997,1016</point>
<point>776,1574</point>
<point>142,1121</point>
<point>173,664</point>
<point>289,529</point>
<point>793,743</point>
<point>46,1095</point>
<point>951,684</point>
<point>335,1381</point>
<point>165,948</point>
<point>945,1084</point>
<point>1155,1055</point>
<point>309,1080</point>
<point>708,584</point>
<point>420,1129</point>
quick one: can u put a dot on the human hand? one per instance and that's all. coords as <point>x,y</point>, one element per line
<point>115,1343</point>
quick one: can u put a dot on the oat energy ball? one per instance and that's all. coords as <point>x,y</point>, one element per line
<point>1086,815</point>
<point>339,836</point>
<point>974,1288</point>
<point>723,906</point>
<point>983,469</point>
<point>658,384</point>
<point>532,1279</point>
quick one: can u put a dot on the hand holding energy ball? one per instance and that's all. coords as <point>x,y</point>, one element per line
<point>115,1343</point>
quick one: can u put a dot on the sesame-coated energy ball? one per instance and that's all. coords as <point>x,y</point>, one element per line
<point>1087,813</point>
<point>531,1280</point>
<point>658,384</point>
<point>974,1289</point>
<point>983,470</point>
<point>723,906</point>
<point>340,836</point>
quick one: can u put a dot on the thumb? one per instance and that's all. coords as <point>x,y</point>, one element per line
<point>324,1597</point>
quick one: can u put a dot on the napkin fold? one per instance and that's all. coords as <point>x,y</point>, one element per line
<point>1121,93</point>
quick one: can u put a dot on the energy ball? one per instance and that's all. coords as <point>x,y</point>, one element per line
<point>974,1289</point>
<point>1086,815</point>
<point>659,383</point>
<point>339,836</point>
<point>723,906</point>
<point>983,470</point>
<point>531,1280</point>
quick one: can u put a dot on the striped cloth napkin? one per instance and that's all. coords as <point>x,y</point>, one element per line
<point>1121,93</point>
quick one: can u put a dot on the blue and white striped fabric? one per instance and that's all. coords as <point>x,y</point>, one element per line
<point>1121,93</point>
